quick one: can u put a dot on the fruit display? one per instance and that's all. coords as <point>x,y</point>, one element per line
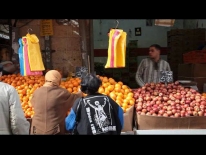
<point>26,85</point>
<point>119,92</point>
<point>204,94</point>
<point>171,100</point>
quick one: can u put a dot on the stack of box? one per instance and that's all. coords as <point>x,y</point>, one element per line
<point>198,56</point>
<point>181,41</point>
<point>193,72</point>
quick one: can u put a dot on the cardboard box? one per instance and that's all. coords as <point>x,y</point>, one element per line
<point>128,120</point>
<point>145,122</point>
<point>192,70</point>
<point>199,80</point>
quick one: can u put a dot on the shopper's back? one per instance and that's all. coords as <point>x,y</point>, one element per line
<point>4,109</point>
<point>12,120</point>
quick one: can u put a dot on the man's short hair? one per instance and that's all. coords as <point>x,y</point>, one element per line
<point>158,47</point>
<point>90,84</point>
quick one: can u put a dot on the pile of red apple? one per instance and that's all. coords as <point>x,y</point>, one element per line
<point>171,100</point>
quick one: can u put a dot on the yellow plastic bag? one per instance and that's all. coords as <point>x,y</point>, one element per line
<point>117,49</point>
<point>34,53</point>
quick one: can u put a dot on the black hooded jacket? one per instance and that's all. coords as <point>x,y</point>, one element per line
<point>97,114</point>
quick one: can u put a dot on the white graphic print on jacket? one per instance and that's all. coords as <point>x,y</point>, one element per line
<point>98,110</point>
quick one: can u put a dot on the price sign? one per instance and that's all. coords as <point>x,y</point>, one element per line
<point>166,76</point>
<point>46,27</point>
<point>81,71</point>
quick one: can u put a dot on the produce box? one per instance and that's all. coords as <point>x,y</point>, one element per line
<point>128,120</point>
<point>145,122</point>
<point>192,70</point>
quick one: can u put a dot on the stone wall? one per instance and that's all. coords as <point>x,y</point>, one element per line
<point>65,42</point>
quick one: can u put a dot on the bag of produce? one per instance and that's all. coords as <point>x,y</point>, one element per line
<point>116,49</point>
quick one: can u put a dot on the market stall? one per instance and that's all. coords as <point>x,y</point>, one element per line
<point>161,108</point>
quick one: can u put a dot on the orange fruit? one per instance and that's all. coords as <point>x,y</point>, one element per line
<point>118,85</point>
<point>106,91</point>
<point>124,105</point>
<point>119,98</point>
<point>75,89</point>
<point>111,81</point>
<point>124,87</point>
<point>130,94</point>
<point>75,84</point>
<point>105,85</point>
<point>105,79</point>
<point>111,87</point>
<point>112,95</point>
<point>131,102</point>
<point>126,91</point>
<point>117,89</point>
<point>69,90</point>
<point>70,85</point>
<point>122,91</point>
<point>101,90</point>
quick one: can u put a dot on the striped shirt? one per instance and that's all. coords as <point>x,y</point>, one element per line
<point>148,71</point>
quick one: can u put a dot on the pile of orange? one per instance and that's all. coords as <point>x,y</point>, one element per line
<point>119,92</point>
<point>26,85</point>
<point>204,94</point>
<point>72,85</point>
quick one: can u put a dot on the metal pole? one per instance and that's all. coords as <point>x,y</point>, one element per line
<point>91,45</point>
<point>47,42</point>
<point>10,37</point>
<point>83,42</point>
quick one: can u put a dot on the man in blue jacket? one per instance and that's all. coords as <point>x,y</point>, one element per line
<point>95,114</point>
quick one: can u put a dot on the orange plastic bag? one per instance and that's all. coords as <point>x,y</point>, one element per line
<point>117,49</point>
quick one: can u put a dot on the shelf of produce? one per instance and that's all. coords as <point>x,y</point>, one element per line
<point>172,132</point>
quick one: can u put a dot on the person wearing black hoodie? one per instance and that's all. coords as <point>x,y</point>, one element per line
<point>95,114</point>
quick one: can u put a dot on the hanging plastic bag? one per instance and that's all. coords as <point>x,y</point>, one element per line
<point>117,49</point>
<point>26,60</point>
<point>21,57</point>
<point>34,53</point>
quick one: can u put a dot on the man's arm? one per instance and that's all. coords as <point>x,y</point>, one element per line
<point>139,74</point>
<point>19,124</point>
<point>71,98</point>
